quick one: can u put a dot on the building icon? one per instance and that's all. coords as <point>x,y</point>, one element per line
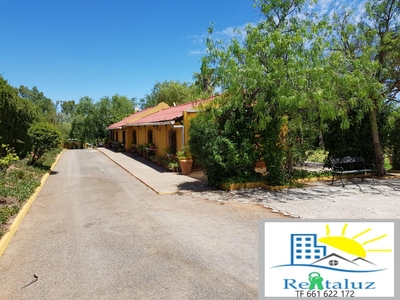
<point>305,249</point>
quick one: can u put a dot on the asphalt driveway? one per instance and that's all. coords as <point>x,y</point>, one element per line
<point>96,232</point>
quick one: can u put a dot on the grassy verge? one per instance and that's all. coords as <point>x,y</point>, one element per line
<point>19,183</point>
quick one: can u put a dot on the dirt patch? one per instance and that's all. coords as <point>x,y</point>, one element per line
<point>8,201</point>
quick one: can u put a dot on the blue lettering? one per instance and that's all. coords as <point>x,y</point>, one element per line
<point>289,284</point>
<point>304,285</point>
<point>370,285</point>
<point>353,286</point>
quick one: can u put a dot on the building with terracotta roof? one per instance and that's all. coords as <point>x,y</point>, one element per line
<point>162,128</point>
<point>117,130</point>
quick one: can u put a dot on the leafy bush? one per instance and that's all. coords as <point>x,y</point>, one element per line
<point>7,211</point>
<point>8,158</point>
<point>223,142</point>
<point>44,137</point>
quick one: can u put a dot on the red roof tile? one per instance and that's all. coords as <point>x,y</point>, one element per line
<point>134,116</point>
<point>169,114</point>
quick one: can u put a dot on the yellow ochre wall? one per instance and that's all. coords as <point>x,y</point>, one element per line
<point>160,132</point>
<point>128,129</point>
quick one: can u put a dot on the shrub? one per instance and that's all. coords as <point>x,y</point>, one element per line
<point>224,143</point>
<point>8,158</point>
<point>44,137</point>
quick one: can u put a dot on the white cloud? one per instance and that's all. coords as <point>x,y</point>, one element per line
<point>197,52</point>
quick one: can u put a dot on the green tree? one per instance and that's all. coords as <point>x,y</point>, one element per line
<point>44,104</point>
<point>120,107</point>
<point>366,60</point>
<point>276,68</point>
<point>102,118</point>
<point>68,107</point>
<point>16,116</point>
<point>173,92</point>
<point>44,137</point>
<point>82,126</point>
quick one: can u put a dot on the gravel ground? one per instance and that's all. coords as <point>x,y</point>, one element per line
<point>321,200</point>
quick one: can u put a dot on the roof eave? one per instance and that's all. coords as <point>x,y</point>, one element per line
<point>152,123</point>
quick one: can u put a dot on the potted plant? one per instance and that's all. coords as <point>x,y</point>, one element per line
<point>141,150</point>
<point>173,165</point>
<point>168,151</point>
<point>185,160</point>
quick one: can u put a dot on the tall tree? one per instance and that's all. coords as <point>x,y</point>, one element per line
<point>102,117</point>
<point>275,69</point>
<point>121,107</point>
<point>82,127</point>
<point>68,107</point>
<point>366,56</point>
<point>16,116</point>
<point>44,104</point>
<point>173,93</point>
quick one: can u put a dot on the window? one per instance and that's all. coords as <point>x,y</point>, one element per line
<point>308,239</point>
<point>134,140</point>
<point>317,251</point>
<point>150,136</point>
<point>317,257</point>
<point>298,239</point>
<point>172,140</point>
<point>298,251</point>
<point>123,137</point>
<point>308,245</point>
<point>333,262</point>
<point>298,256</point>
<point>298,245</point>
<point>308,251</point>
<point>308,256</point>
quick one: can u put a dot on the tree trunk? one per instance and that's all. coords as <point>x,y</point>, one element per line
<point>377,144</point>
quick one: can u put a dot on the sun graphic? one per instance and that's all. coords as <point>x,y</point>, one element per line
<point>350,245</point>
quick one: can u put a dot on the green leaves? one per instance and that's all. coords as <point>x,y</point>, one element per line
<point>44,137</point>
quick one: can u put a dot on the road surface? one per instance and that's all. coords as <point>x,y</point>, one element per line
<point>95,232</point>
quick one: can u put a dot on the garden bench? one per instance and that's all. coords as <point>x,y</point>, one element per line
<point>351,165</point>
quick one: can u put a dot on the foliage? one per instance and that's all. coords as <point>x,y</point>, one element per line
<point>45,106</point>
<point>256,177</point>
<point>120,107</point>
<point>302,74</point>
<point>272,77</point>
<point>20,182</point>
<point>223,142</point>
<point>395,143</point>
<point>6,212</point>
<point>365,55</point>
<point>90,120</point>
<point>8,159</point>
<point>356,140</point>
<point>68,107</point>
<point>172,93</point>
<point>173,165</point>
<point>44,137</point>
<point>16,115</point>
<point>184,153</point>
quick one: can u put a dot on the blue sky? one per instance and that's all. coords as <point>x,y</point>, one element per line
<point>70,49</point>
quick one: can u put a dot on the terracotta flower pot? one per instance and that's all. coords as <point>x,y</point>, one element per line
<point>186,166</point>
